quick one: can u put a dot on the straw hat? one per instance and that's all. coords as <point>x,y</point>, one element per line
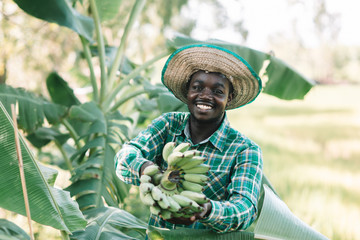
<point>187,60</point>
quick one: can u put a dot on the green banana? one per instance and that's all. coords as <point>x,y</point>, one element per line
<point>147,199</point>
<point>177,214</point>
<point>182,147</point>
<point>155,210</point>
<point>195,161</point>
<point>200,169</point>
<point>146,187</point>
<point>165,214</point>
<point>196,208</point>
<point>174,205</point>
<point>188,155</point>
<point>200,198</point>
<point>178,190</point>
<point>191,153</point>
<point>157,194</point>
<point>195,187</point>
<point>145,179</point>
<point>184,161</point>
<point>168,149</point>
<point>196,178</point>
<point>157,178</point>
<point>164,202</point>
<point>175,157</point>
<point>151,170</point>
<point>182,200</point>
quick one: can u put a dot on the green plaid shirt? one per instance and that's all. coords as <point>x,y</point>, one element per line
<point>235,173</point>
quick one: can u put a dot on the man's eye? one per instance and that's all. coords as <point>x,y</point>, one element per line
<point>196,88</point>
<point>218,91</point>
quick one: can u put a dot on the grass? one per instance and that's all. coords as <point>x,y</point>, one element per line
<point>311,152</point>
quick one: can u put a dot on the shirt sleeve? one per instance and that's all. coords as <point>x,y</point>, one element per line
<point>239,210</point>
<point>146,146</point>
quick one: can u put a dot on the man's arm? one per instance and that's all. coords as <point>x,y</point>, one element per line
<point>140,152</point>
<point>240,209</point>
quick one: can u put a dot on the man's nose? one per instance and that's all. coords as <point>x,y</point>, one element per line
<point>206,93</point>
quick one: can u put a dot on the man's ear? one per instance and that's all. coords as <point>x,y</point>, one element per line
<point>230,97</point>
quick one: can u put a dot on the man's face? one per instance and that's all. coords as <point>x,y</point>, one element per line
<point>208,95</point>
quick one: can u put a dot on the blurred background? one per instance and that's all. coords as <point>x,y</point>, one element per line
<point>311,147</point>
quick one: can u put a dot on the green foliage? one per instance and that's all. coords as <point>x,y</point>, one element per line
<point>60,12</point>
<point>59,90</point>
<point>111,223</point>
<point>32,109</point>
<point>61,211</point>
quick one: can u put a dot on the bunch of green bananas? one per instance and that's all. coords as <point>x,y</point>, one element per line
<point>177,191</point>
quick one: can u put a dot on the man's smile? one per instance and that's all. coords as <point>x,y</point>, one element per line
<point>203,106</point>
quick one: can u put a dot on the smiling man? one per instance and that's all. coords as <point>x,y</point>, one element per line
<point>210,80</point>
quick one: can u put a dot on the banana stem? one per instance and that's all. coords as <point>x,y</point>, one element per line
<point>87,54</point>
<point>101,49</point>
<point>72,132</point>
<point>66,158</point>
<point>170,179</point>
<point>136,10</point>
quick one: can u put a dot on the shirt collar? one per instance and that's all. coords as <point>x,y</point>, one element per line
<point>217,138</point>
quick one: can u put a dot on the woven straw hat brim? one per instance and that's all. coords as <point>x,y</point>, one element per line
<point>187,60</point>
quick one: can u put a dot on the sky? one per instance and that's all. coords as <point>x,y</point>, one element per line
<point>268,18</point>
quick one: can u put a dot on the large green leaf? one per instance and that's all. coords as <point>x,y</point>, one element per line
<point>32,109</point>
<point>111,223</point>
<point>59,90</point>
<point>60,12</point>
<point>283,81</point>
<point>10,231</point>
<point>276,221</point>
<point>48,205</point>
<point>87,112</point>
<point>42,136</point>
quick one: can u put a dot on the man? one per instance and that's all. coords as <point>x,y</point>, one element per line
<point>210,80</point>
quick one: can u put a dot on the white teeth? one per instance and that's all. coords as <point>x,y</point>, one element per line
<point>204,107</point>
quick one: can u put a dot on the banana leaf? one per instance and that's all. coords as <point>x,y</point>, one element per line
<point>60,12</point>
<point>59,90</point>
<point>10,231</point>
<point>111,223</point>
<point>276,221</point>
<point>32,109</point>
<point>48,205</point>
<point>283,82</point>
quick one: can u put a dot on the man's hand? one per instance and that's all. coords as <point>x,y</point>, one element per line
<point>197,216</point>
<point>207,209</point>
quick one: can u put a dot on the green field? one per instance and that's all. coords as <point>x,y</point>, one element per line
<point>311,152</point>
